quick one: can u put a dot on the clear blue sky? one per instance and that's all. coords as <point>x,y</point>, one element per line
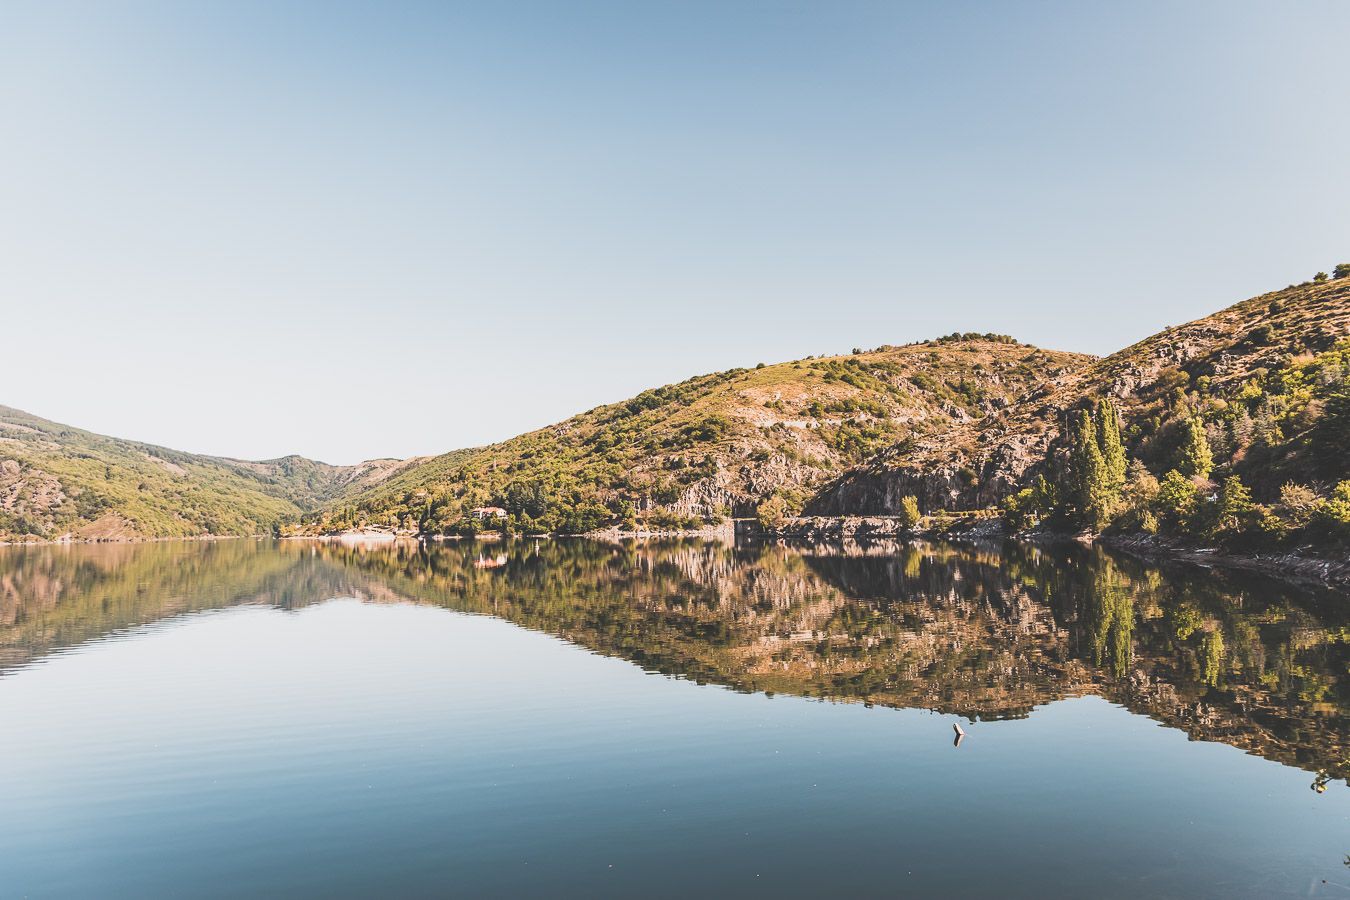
<point>354,230</point>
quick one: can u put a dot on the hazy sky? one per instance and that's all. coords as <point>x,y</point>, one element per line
<point>356,230</point>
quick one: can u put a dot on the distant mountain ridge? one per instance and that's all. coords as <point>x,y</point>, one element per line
<point>57,481</point>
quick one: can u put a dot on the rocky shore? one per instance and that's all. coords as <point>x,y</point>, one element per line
<point>837,529</point>
<point>1290,566</point>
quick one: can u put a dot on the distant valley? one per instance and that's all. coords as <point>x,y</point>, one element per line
<point>61,482</point>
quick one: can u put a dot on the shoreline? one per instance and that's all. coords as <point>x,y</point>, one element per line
<point>1293,567</point>
<point>67,542</point>
<point>1319,570</point>
<point>1288,566</point>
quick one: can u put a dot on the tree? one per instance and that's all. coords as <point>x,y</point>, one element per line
<point>910,516</point>
<point>1236,509</point>
<point>1319,277</point>
<point>1333,514</point>
<point>1088,480</point>
<point>1342,270</point>
<point>1139,496</point>
<point>1030,506</point>
<point>1018,514</point>
<point>1194,458</point>
<point>773,512</point>
<point>1177,499</point>
<point>528,498</point>
<point>1113,451</point>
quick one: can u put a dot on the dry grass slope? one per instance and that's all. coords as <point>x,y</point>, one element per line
<point>714,445</point>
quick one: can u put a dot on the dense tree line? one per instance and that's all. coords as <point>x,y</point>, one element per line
<point>1211,451</point>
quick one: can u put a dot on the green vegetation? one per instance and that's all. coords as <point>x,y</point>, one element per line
<point>1194,458</point>
<point>746,442</point>
<point>1089,487</point>
<point>1094,477</point>
<point>1230,461</point>
<point>57,480</point>
<point>1231,431</point>
<point>910,516</point>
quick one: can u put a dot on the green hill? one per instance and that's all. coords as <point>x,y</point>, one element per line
<point>712,446</point>
<point>58,481</point>
<point>1263,385</point>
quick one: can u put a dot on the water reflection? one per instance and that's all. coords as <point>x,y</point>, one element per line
<point>984,633</point>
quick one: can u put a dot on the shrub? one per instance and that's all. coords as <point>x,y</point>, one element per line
<point>910,516</point>
<point>1333,514</point>
<point>1176,501</point>
<point>772,512</point>
<point>1297,504</point>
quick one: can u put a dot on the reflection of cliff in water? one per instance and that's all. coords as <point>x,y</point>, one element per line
<point>1248,661</point>
<point>980,632</point>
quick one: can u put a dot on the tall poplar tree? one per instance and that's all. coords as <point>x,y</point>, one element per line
<point>1097,464</point>
<point>1113,451</point>
<point>1088,478</point>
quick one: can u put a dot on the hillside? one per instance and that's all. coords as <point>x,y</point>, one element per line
<point>58,481</point>
<point>1266,382</point>
<point>714,445</point>
<point>1236,424</point>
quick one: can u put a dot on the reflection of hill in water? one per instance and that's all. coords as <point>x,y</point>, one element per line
<point>985,633</point>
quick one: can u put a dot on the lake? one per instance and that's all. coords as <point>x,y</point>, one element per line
<point>574,718</point>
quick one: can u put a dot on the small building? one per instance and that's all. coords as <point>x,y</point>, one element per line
<point>489,512</point>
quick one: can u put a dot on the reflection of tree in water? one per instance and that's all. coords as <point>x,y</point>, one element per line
<point>1110,609</point>
<point>983,632</point>
<point>1211,656</point>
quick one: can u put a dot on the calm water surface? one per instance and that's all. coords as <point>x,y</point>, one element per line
<point>579,719</point>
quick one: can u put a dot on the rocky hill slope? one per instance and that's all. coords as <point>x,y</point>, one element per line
<point>715,445</point>
<point>57,481</point>
<point>1266,378</point>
